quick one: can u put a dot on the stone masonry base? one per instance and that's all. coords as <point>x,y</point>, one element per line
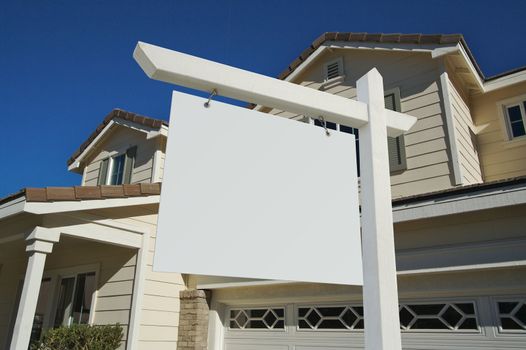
<point>193,320</point>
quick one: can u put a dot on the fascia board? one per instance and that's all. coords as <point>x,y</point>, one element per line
<point>69,206</point>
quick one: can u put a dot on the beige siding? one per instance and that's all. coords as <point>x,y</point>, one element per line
<point>500,157</point>
<point>116,142</point>
<point>160,312</point>
<point>417,76</point>
<point>467,147</point>
<point>159,318</point>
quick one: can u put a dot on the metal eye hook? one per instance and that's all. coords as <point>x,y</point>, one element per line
<point>324,124</point>
<point>212,94</point>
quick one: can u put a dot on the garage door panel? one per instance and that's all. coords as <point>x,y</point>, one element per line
<point>257,347</point>
<point>464,323</point>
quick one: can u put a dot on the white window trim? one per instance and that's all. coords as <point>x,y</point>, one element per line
<point>495,312</point>
<point>56,275</point>
<point>111,163</point>
<point>504,120</point>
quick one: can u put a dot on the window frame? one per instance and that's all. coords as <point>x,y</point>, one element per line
<point>129,154</point>
<point>502,107</point>
<point>398,108</point>
<point>56,276</point>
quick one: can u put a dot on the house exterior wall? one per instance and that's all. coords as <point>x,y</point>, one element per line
<point>118,140</point>
<point>159,315</point>
<point>417,77</point>
<point>464,131</point>
<point>500,158</point>
<point>114,267</point>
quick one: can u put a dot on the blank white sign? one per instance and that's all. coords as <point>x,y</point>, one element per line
<point>247,194</point>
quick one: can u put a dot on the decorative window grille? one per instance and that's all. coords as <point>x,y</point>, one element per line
<point>512,315</point>
<point>413,317</point>
<point>257,318</point>
<point>436,316</point>
<point>330,317</point>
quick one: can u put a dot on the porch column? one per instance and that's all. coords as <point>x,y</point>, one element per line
<point>40,243</point>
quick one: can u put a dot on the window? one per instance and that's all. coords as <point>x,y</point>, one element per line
<point>516,119</point>
<point>446,316</point>
<point>436,316</point>
<point>512,315</point>
<point>117,170</point>
<point>75,294</point>
<point>333,69</point>
<point>257,318</point>
<point>395,145</point>
<point>343,317</point>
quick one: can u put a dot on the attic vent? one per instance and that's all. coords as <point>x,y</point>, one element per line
<point>333,69</point>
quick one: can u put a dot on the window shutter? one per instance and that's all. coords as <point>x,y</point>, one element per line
<point>103,172</point>
<point>129,164</point>
<point>395,145</point>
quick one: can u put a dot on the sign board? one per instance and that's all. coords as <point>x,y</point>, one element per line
<point>247,194</point>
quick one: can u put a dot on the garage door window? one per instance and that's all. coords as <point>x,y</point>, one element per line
<point>330,317</point>
<point>438,316</point>
<point>257,318</point>
<point>414,317</point>
<point>512,315</point>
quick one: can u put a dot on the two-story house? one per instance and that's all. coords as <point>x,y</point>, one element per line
<point>84,254</point>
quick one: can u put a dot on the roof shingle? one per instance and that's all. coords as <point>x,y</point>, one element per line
<point>117,113</point>
<point>78,193</point>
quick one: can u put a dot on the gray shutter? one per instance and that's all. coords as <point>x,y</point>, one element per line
<point>395,145</point>
<point>129,164</point>
<point>103,172</point>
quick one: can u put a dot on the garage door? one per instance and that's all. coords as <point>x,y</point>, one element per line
<point>479,323</point>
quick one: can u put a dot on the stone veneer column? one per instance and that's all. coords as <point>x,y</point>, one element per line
<point>193,320</point>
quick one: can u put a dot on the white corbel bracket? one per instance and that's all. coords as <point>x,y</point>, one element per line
<point>41,239</point>
<point>197,73</point>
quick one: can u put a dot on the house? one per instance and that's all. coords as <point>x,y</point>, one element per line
<point>459,197</point>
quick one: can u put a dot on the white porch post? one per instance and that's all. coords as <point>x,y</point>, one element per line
<point>40,243</point>
<point>380,293</point>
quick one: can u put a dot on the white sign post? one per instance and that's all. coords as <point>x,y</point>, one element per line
<point>382,329</point>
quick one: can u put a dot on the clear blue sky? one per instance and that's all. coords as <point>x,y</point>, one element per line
<point>66,64</point>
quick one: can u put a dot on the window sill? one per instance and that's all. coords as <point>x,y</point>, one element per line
<point>516,142</point>
<point>332,82</point>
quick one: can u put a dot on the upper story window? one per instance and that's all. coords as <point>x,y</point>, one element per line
<point>117,170</point>
<point>396,145</point>
<point>516,119</point>
<point>333,69</point>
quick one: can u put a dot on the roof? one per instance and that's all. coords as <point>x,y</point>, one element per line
<point>78,193</point>
<point>462,190</point>
<point>395,38</point>
<point>122,114</point>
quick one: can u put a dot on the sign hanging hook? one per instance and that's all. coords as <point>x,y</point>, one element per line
<point>212,94</point>
<point>324,124</point>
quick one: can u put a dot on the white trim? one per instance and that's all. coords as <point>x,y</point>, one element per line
<point>458,204</point>
<point>103,234</point>
<point>471,67</point>
<point>502,106</point>
<point>197,73</point>
<point>463,268</point>
<point>138,293</point>
<point>450,127</point>
<point>66,206</point>
<point>150,133</point>
<point>241,284</point>
<point>12,207</point>
<point>156,166</point>
<point>76,162</point>
<point>306,63</point>
<point>505,81</point>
